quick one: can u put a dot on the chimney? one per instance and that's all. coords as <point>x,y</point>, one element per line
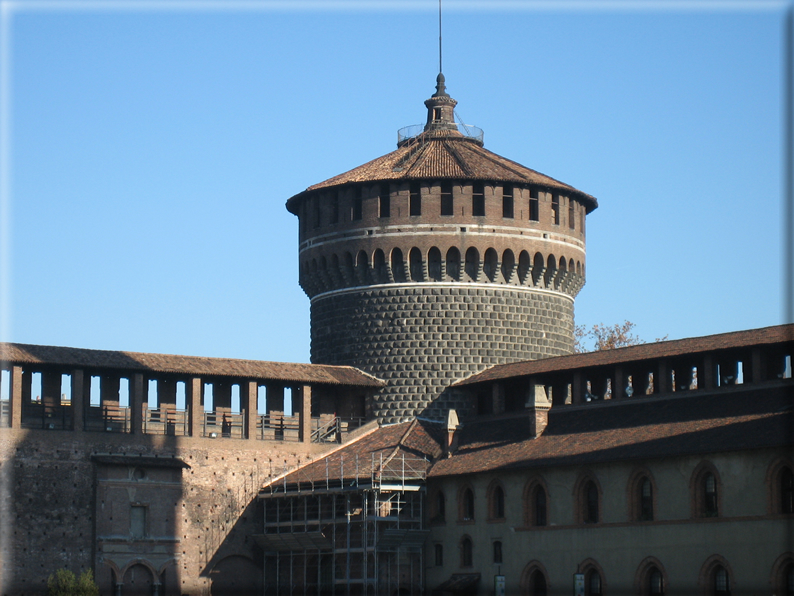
<point>451,438</point>
<point>538,410</point>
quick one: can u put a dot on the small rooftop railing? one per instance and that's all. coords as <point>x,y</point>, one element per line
<point>467,130</point>
<point>108,418</point>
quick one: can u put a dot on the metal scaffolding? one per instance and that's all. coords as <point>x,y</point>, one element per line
<point>358,531</point>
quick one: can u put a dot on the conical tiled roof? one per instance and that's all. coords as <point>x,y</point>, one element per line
<point>442,152</point>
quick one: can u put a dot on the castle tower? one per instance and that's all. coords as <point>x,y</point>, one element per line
<point>438,260</point>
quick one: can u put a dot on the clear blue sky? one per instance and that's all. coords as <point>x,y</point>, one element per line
<point>152,147</point>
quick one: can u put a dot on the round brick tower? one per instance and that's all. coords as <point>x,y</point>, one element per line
<point>438,260</point>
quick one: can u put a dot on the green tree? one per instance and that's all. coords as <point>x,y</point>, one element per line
<point>64,583</point>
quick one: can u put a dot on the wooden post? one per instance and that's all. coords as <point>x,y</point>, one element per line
<point>78,400</point>
<point>136,403</point>
<point>196,414</point>
<point>16,397</point>
<point>249,392</point>
<point>305,419</point>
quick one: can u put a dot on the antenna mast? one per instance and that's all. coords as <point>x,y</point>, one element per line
<point>439,37</point>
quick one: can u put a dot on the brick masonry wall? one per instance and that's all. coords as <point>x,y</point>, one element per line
<point>52,519</point>
<point>421,338</point>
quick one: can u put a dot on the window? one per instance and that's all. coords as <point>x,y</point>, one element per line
<point>539,501</point>
<point>786,490</point>
<point>534,208</point>
<point>440,506</point>
<point>415,199</point>
<point>705,487</point>
<point>497,552</point>
<point>447,206</point>
<point>590,503</point>
<point>571,214</point>
<point>555,209</point>
<point>466,555</point>
<point>537,583</point>
<point>721,581</point>
<point>645,500</point>
<point>438,551</point>
<point>138,521</point>
<point>640,491</point>
<point>592,583</point>
<point>467,505</point>
<point>478,199</point>
<point>655,582</point>
<point>507,201</point>
<point>384,200</point>
<point>357,205</point>
<point>710,508</point>
<point>496,502</point>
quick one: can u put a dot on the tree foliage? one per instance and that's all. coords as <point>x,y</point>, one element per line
<point>64,583</point>
<point>607,337</point>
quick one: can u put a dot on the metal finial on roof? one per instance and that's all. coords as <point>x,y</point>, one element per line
<point>441,88</point>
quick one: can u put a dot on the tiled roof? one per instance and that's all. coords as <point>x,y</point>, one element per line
<point>644,428</point>
<point>191,365</point>
<point>415,440</point>
<point>445,157</point>
<point>664,349</point>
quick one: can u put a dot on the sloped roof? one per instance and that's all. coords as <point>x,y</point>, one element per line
<point>663,349</point>
<point>416,441</point>
<point>644,428</point>
<point>193,365</point>
<point>434,156</point>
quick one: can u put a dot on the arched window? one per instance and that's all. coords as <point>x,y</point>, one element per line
<point>650,578</point>
<point>535,500</point>
<point>508,264</point>
<point>655,582</point>
<point>538,266</point>
<point>397,265</point>
<point>497,552</point>
<point>590,502</point>
<point>434,264</point>
<point>453,263</point>
<point>466,504</point>
<point>538,583</point>
<point>786,490</point>
<point>640,493</point>
<point>551,271</point>
<point>491,264</point>
<point>705,486</point>
<point>539,506</point>
<point>534,581</point>
<point>472,263</point>
<point>721,581</point>
<point>496,502</point>
<point>524,266</point>
<point>379,266</point>
<point>645,499</point>
<point>716,577</point>
<point>466,555</point>
<point>439,554</point>
<point>592,583</point>
<point>710,508</point>
<point>417,269</point>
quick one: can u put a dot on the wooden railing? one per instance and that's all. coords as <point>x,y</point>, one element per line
<point>165,422</point>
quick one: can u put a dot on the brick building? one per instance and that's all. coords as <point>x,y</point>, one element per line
<point>445,438</point>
